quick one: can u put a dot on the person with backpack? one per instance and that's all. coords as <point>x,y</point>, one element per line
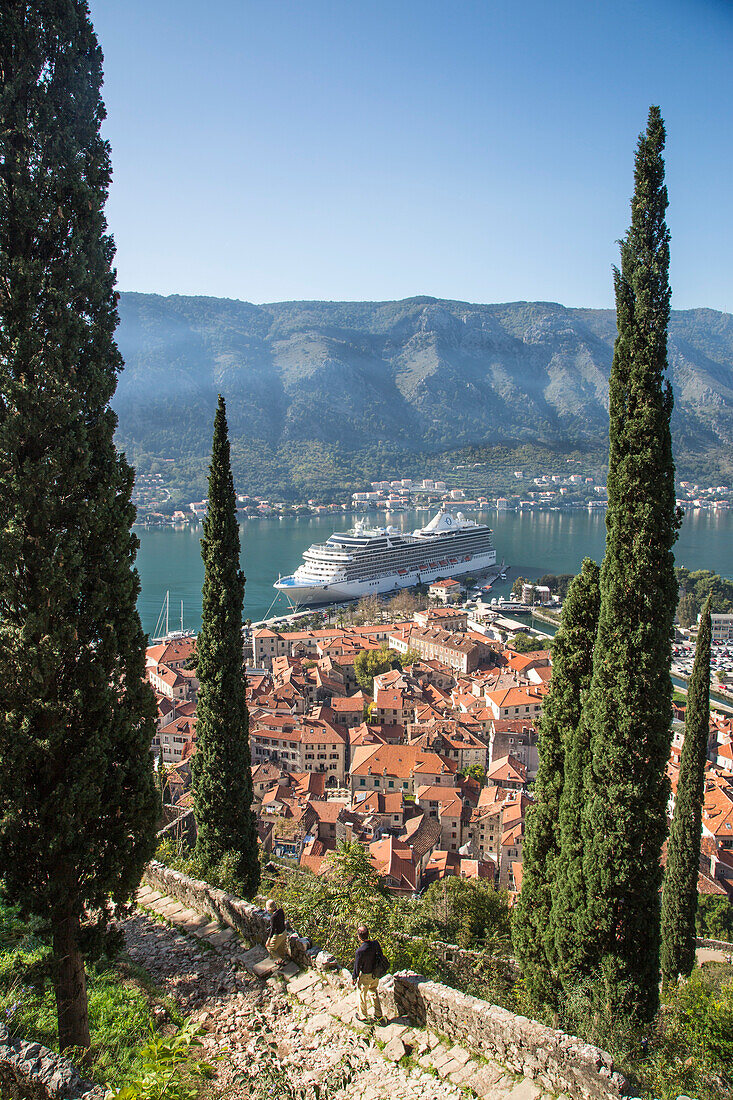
<point>369,966</point>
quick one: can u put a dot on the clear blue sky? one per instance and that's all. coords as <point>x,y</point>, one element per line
<point>363,149</point>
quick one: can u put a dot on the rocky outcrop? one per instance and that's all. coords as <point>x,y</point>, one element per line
<point>29,1071</point>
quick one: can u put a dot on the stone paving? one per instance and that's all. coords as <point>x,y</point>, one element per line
<point>255,1012</point>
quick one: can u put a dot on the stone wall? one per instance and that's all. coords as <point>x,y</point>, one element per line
<point>29,1071</point>
<point>717,945</point>
<point>252,922</point>
<point>559,1062</point>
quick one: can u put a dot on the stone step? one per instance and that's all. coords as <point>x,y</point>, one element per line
<point>207,930</point>
<point>222,936</point>
<point>308,979</point>
<point>255,955</point>
<point>147,892</point>
<point>264,969</point>
<point>191,920</point>
<point>148,897</point>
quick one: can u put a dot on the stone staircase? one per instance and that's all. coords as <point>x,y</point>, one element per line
<point>401,1061</point>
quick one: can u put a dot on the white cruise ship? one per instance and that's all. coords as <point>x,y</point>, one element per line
<point>370,560</point>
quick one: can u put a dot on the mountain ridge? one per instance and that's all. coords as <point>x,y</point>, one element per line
<point>417,374</point>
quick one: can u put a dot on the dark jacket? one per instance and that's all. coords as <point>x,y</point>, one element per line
<point>366,958</point>
<point>277,922</point>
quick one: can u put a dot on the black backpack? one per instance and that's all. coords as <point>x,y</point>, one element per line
<point>381,964</point>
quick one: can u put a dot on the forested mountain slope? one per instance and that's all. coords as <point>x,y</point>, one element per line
<point>415,375</point>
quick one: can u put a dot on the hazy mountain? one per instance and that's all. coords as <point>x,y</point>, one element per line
<point>422,374</point>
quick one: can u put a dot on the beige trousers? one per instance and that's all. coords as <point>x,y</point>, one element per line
<point>277,946</point>
<point>366,984</point>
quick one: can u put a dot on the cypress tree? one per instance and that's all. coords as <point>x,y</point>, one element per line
<point>572,660</point>
<point>221,766</point>
<point>627,710</point>
<point>565,933</point>
<point>679,897</point>
<point>77,798</point>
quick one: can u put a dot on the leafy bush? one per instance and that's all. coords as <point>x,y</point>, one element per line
<point>687,1050</point>
<point>169,1069</point>
<point>714,919</point>
<point>224,874</point>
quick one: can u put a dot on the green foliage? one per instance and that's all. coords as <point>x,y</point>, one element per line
<point>691,1043</point>
<point>329,907</point>
<point>524,642</point>
<point>689,1040</point>
<point>714,918</point>
<point>224,874</point>
<point>372,662</point>
<point>477,772</point>
<point>679,898</point>
<point>519,583</point>
<point>119,999</point>
<point>221,766</point>
<point>627,708</point>
<point>409,658</point>
<point>469,912</point>
<point>552,851</point>
<point>78,806</point>
<point>169,1068</point>
<point>695,587</point>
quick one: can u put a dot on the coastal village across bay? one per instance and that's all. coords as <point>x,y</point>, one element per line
<point>153,498</point>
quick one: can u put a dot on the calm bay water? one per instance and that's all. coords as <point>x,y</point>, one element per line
<point>531,543</point>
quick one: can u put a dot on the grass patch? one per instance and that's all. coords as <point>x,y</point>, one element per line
<point>121,998</point>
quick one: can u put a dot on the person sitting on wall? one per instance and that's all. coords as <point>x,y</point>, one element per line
<point>277,941</point>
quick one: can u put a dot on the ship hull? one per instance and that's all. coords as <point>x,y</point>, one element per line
<point>303,595</point>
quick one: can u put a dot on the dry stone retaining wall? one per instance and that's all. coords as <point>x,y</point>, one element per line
<point>559,1062</point>
<point>252,922</point>
<point>29,1071</point>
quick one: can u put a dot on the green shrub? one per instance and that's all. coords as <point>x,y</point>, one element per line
<point>714,917</point>
<point>169,1069</point>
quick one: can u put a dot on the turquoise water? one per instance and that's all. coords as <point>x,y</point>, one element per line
<point>531,543</point>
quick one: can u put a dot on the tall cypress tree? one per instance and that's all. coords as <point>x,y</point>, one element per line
<point>565,932</point>
<point>221,766</point>
<point>77,797</point>
<point>679,897</point>
<point>572,662</point>
<point>627,711</point>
